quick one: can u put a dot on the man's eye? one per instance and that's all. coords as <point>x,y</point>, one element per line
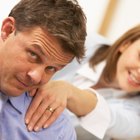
<point>33,55</point>
<point>139,55</point>
<point>51,69</point>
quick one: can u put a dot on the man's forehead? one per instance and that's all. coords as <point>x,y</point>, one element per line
<point>55,48</point>
<point>56,55</point>
<point>49,46</point>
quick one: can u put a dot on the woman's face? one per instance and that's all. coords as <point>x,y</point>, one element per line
<point>128,67</point>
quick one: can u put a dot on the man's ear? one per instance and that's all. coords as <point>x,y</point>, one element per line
<point>8,27</point>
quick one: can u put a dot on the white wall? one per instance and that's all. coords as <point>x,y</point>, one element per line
<point>94,10</point>
<point>5,7</point>
<point>126,16</point>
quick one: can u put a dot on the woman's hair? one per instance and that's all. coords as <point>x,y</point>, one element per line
<point>64,19</point>
<point>111,53</point>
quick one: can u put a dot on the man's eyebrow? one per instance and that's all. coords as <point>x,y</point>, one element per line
<point>37,47</point>
<point>61,66</point>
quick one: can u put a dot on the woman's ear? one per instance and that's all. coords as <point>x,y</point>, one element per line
<point>124,46</point>
<point>8,27</point>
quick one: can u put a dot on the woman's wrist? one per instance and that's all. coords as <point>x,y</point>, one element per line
<point>64,86</point>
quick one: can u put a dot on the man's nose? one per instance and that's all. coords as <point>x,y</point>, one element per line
<point>138,70</point>
<point>37,76</point>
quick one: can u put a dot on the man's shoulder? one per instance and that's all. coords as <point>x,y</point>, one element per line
<point>64,126</point>
<point>61,129</point>
<point>63,122</point>
<point>14,113</point>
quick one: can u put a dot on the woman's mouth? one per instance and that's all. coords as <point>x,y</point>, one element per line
<point>133,80</point>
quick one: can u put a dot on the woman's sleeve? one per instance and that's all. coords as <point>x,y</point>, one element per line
<point>117,118</point>
<point>125,119</point>
<point>98,120</point>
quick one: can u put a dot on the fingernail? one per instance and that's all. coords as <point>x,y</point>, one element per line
<point>36,128</point>
<point>26,121</point>
<point>30,128</point>
<point>45,126</point>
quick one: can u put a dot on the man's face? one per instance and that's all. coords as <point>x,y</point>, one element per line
<point>28,60</point>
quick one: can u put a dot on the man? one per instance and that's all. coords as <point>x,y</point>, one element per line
<point>38,38</point>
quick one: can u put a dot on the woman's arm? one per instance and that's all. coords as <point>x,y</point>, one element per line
<point>57,95</point>
<point>117,118</point>
<point>80,101</point>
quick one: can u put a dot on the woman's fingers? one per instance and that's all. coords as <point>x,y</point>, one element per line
<point>45,116</point>
<point>47,104</point>
<point>53,117</point>
<point>38,112</point>
<point>32,92</point>
<point>50,114</point>
<point>33,107</point>
<point>48,118</point>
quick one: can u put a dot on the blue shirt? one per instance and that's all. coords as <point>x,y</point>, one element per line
<point>12,125</point>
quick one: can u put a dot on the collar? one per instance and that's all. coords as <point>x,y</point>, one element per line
<point>19,102</point>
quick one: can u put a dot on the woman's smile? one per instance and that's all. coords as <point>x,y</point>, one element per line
<point>133,80</point>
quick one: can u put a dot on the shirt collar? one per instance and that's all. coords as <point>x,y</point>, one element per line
<point>18,102</point>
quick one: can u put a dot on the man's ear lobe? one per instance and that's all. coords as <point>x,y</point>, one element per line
<point>8,27</point>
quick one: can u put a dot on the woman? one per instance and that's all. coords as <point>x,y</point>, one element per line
<point>111,103</point>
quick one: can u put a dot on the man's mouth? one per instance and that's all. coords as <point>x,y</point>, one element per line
<point>22,83</point>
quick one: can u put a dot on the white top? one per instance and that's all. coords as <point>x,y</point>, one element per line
<point>114,115</point>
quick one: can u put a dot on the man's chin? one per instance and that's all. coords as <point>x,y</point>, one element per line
<point>13,93</point>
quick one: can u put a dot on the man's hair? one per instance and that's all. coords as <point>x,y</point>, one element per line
<point>64,19</point>
<point>111,53</point>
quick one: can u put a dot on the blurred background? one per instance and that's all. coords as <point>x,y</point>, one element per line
<point>109,18</point>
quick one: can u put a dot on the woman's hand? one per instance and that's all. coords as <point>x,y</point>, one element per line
<point>48,103</point>
<point>50,100</point>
